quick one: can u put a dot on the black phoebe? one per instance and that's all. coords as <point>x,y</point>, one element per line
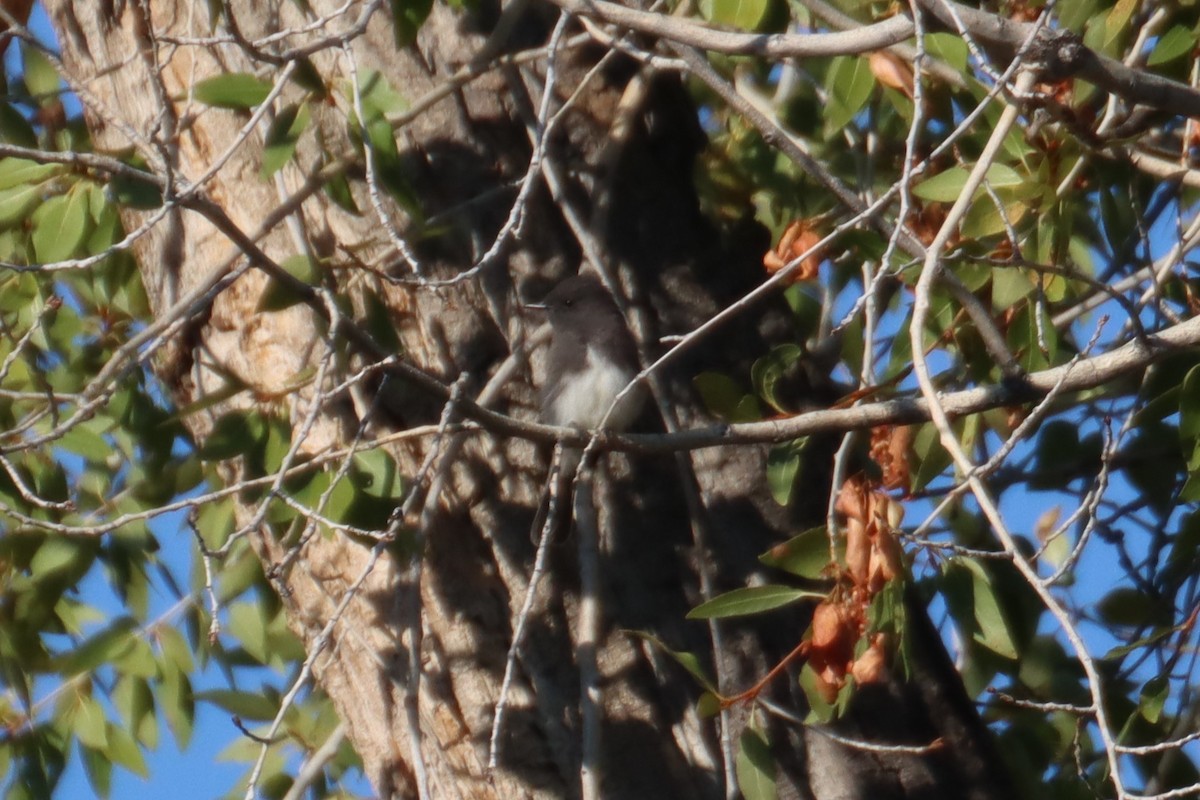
<point>592,358</point>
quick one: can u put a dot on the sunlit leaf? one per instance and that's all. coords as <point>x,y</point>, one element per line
<point>806,555</point>
<point>1118,19</point>
<point>709,705</point>
<point>41,77</point>
<point>849,83</point>
<point>283,136</point>
<point>1153,698</point>
<point>125,751</point>
<point>89,724</point>
<point>945,187</point>
<point>20,171</point>
<point>178,706</point>
<point>236,90</point>
<point>58,554</point>
<point>744,14</point>
<point>1009,286</point>
<point>16,203</point>
<point>407,18</point>
<point>1171,45</point>
<point>755,766</point>
<point>751,600</point>
<point>979,608</point>
<point>247,626</point>
<point>100,648</point>
<point>783,464</point>
<point>60,226</point>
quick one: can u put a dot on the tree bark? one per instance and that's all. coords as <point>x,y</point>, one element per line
<point>626,156</point>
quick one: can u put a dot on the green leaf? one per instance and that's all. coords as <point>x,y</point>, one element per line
<point>103,647</point>
<point>1127,606</point>
<point>772,368</point>
<point>41,78</point>
<point>232,90</point>
<point>687,660</point>
<point>16,204</point>
<point>99,769</point>
<point>708,706</point>
<point>821,710</point>
<point>1153,698</point>
<point>945,187</point>
<point>82,440</point>
<point>407,18</point>
<point>307,76</point>
<point>89,724</point>
<point>389,166</point>
<point>1118,20</point>
<point>755,767</point>
<point>726,399</point>
<point>783,464</point>
<point>134,192</point>
<point>135,703</point>
<point>1009,286</point>
<point>978,611</point>
<point>57,554</point>
<point>60,225</point>
<point>341,499</point>
<point>1174,43</point>
<point>277,444</point>
<point>1157,635</point>
<point>805,555</point>
<point>248,627</point>
<point>1189,406</point>
<point>235,433</point>
<point>1184,557</point>
<point>175,648</point>
<point>744,14</point>
<point>376,474</point>
<point>137,660</point>
<point>380,324</point>
<point>22,172</point>
<point>247,705</point>
<point>751,600</point>
<point>277,296</point>
<point>378,98</point>
<point>337,188</point>
<point>849,83</point>
<point>14,128</point>
<point>124,751</point>
<point>782,467</point>
<point>932,459</point>
<point>178,706</point>
<point>283,136</point>
<point>949,47</point>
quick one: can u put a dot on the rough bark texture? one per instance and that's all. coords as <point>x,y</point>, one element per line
<point>638,196</point>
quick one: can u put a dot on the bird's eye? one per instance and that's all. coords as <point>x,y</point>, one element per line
<point>568,303</point>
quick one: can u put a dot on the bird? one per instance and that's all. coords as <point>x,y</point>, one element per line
<point>592,359</point>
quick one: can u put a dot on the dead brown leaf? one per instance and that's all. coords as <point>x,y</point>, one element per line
<point>798,238</point>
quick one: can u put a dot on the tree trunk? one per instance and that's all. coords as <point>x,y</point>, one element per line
<point>625,156</point>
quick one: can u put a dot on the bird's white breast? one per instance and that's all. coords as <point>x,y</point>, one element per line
<point>586,396</point>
